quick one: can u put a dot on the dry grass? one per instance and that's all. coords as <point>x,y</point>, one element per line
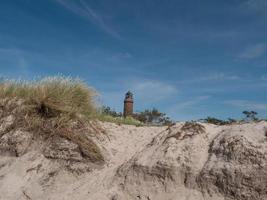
<point>55,105</point>
<point>52,96</point>
<point>265,132</point>
<point>193,127</point>
<point>188,130</point>
<point>76,134</point>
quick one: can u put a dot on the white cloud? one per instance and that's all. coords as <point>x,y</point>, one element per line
<point>118,57</point>
<point>150,91</point>
<point>253,52</point>
<point>9,50</point>
<point>264,77</point>
<point>190,102</point>
<point>16,56</point>
<point>257,5</point>
<point>247,104</point>
<point>82,9</point>
<point>186,109</point>
<point>218,76</point>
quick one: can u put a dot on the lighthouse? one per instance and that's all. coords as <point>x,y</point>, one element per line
<point>128,104</point>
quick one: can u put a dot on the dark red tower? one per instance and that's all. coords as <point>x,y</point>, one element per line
<point>128,104</point>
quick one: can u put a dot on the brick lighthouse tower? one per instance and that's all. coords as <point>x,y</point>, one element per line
<point>128,104</point>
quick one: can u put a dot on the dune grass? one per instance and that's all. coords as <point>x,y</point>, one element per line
<point>54,106</point>
<point>52,95</point>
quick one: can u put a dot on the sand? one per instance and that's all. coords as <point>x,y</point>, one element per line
<point>148,163</point>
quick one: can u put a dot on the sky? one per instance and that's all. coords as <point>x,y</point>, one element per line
<point>188,58</point>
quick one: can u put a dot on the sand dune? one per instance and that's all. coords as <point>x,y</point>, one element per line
<point>148,163</point>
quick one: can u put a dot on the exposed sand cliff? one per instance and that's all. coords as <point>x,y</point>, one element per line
<point>148,163</point>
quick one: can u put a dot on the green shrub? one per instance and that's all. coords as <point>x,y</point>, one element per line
<point>215,121</point>
<point>220,122</point>
<point>250,116</point>
<point>106,110</point>
<point>153,117</point>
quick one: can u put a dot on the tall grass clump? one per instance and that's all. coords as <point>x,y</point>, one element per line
<point>53,95</point>
<point>53,106</point>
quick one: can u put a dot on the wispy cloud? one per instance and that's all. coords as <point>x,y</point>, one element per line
<point>247,104</point>
<point>264,77</point>
<point>253,52</point>
<point>257,5</point>
<point>191,102</point>
<point>218,76</point>
<point>81,8</point>
<point>9,50</point>
<point>122,56</point>
<point>16,56</point>
<point>150,91</point>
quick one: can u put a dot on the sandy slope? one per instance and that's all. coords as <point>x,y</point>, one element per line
<point>150,163</point>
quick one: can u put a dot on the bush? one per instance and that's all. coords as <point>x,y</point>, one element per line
<point>250,116</point>
<point>106,110</point>
<point>213,120</point>
<point>153,117</point>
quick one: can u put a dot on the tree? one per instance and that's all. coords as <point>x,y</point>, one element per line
<point>108,111</point>
<point>232,121</point>
<point>153,116</point>
<point>213,120</point>
<point>250,115</point>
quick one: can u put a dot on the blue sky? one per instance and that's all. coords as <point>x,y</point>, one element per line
<point>189,58</point>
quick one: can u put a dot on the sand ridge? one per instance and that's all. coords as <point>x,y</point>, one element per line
<point>150,163</point>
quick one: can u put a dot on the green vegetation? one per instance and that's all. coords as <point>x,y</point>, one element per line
<point>106,110</point>
<point>153,117</point>
<point>213,120</point>
<point>250,115</point>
